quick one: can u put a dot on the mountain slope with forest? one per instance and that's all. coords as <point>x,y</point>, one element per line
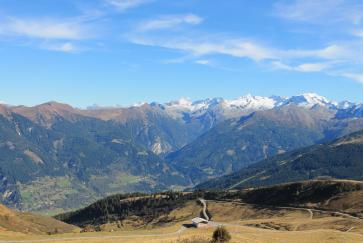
<point>63,158</point>
<point>237,143</point>
<point>341,158</point>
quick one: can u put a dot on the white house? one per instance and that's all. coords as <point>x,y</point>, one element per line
<point>199,222</point>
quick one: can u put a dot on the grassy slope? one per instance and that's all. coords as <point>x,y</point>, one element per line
<point>12,221</point>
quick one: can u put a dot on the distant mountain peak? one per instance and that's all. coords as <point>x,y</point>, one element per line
<point>314,97</point>
<point>243,105</point>
<point>53,105</point>
<point>183,102</point>
<point>253,102</point>
<point>309,100</point>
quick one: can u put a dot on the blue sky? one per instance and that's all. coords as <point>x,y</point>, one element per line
<point>112,52</point>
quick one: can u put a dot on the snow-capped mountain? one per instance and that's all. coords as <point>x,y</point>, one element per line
<point>309,100</point>
<point>244,104</point>
<point>351,111</point>
<point>249,103</point>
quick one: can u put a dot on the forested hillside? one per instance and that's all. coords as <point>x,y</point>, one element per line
<point>342,159</point>
<point>238,143</point>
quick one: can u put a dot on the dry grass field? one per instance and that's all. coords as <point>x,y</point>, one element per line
<point>246,223</point>
<point>28,223</point>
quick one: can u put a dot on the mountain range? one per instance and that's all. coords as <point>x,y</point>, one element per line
<point>53,155</point>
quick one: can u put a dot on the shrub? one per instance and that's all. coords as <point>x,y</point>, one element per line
<point>221,235</point>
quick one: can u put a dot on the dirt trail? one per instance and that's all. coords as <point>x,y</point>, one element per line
<point>204,210</point>
<point>310,210</point>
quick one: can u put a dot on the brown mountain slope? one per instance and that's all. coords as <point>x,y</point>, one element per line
<point>45,114</point>
<point>13,221</point>
<point>148,125</point>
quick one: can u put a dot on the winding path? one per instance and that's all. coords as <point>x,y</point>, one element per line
<point>311,213</point>
<point>310,210</point>
<point>204,210</point>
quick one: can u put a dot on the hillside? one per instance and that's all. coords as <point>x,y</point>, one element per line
<point>27,223</point>
<point>340,159</point>
<point>237,143</point>
<point>146,210</point>
<point>333,195</point>
<point>71,158</point>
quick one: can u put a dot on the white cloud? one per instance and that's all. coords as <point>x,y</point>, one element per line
<point>44,28</point>
<point>236,48</point>
<point>321,12</point>
<point>312,67</point>
<point>355,76</point>
<point>333,52</point>
<point>167,22</point>
<point>330,52</point>
<point>281,65</point>
<point>55,34</point>
<point>332,59</point>
<point>67,47</point>
<point>246,48</point>
<point>123,5</point>
<point>177,60</point>
<point>358,33</point>
<point>304,67</point>
<point>305,10</point>
<point>202,62</point>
